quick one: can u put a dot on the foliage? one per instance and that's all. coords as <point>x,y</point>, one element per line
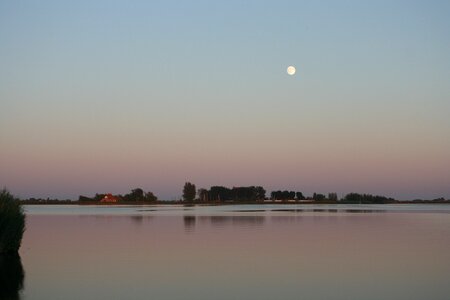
<point>220,193</point>
<point>366,198</point>
<point>332,197</point>
<point>135,195</point>
<point>82,198</point>
<point>248,193</point>
<point>318,197</point>
<point>353,198</point>
<point>203,195</point>
<point>12,223</point>
<point>283,195</point>
<point>239,194</point>
<point>299,196</point>
<point>189,192</point>
<point>11,276</point>
<point>99,197</point>
<point>259,193</point>
<point>149,196</point>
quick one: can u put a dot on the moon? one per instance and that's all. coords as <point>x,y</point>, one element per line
<point>291,70</point>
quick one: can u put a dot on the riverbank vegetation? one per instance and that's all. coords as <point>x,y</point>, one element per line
<point>12,223</point>
<point>11,277</point>
<point>222,195</point>
<point>136,195</point>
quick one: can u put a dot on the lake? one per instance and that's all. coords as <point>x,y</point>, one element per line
<point>237,252</point>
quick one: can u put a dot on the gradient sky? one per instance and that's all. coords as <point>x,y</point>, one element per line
<point>105,96</point>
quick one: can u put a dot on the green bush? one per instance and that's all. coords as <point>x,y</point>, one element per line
<point>12,223</point>
<point>12,276</point>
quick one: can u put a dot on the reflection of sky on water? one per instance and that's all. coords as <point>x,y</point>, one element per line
<point>220,210</point>
<point>245,255</point>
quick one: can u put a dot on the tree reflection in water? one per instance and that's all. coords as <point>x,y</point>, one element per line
<point>239,221</point>
<point>189,223</point>
<point>11,277</point>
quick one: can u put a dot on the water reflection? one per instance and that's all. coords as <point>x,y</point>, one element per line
<point>241,221</point>
<point>255,255</point>
<point>249,210</point>
<point>137,219</point>
<point>11,277</point>
<point>189,223</point>
<point>286,219</point>
<point>328,210</point>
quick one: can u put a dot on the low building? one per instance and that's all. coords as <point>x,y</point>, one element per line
<point>109,198</point>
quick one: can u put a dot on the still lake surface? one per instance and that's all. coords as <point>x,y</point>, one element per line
<point>237,252</point>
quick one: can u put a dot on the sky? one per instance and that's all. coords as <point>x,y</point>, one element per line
<point>106,96</point>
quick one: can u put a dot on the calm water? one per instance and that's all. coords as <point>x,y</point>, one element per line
<point>237,252</point>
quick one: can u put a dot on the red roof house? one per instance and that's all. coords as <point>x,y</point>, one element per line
<point>109,198</point>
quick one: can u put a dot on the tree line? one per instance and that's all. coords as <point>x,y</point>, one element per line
<point>223,194</point>
<point>258,193</point>
<point>243,194</point>
<point>247,194</point>
<point>353,198</point>
<point>135,195</point>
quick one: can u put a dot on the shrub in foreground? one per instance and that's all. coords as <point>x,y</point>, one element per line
<point>12,223</point>
<point>11,277</point>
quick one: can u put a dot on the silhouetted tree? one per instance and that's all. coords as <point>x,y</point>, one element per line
<point>274,195</point>
<point>99,197</point>
<point>282,195</point>
<point>299,196</point>
<point>353,198</point>
<point>135,195</point>
<point>260,193</point>
<point>220,193</point>
<point>248,193</point>
<point>318,197</point>
<point>189,192</point>
<point>11,277</point>
<point>332,197</point>
<point>150,197</point>
<point>291,195</point>
<point>203,195</point>
<point>12,223</point>
<point>138,194</point>
<point>84,199</point>
<point>366,198</point>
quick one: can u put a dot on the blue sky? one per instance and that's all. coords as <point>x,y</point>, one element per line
<point>104,96</point>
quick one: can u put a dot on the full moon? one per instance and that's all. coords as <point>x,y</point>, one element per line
<point>291,70</point>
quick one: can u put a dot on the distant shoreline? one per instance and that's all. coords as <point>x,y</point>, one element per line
<point>177,202</point>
